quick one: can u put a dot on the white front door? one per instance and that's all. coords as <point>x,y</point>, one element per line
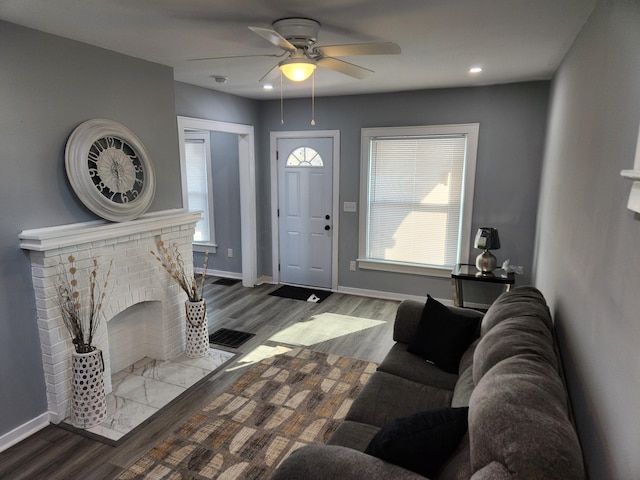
<point>305,198</point>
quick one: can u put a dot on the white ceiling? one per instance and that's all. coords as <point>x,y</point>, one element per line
<point>513,40</point>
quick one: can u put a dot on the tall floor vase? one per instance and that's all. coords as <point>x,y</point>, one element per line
<point>197,329</point>
<point>88,403</point>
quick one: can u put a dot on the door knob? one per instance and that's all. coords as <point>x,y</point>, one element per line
<point>327,217</point>
<point>327,227</point>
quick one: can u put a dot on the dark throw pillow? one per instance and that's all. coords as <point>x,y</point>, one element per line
<point>442,335</point>
<point>421,442</point>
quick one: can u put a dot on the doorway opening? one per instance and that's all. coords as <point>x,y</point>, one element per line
<point>247,186</point>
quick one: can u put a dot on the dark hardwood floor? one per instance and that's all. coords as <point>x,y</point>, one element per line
<point>54,453</point>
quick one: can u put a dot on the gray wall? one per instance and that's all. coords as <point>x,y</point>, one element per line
<point>588,261</point>
<point>511,144</point>
<point>198,102</point>
<point>225,160</point>
<point>49,85</point>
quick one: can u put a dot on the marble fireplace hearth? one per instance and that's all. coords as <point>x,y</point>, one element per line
<point>144,388</point>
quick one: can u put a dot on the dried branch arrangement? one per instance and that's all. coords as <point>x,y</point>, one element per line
<point>80,318</point>
<point>171,260</point>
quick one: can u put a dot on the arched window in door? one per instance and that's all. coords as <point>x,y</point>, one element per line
<point>304,157</point>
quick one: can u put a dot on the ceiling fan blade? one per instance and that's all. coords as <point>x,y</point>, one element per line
<point>270,75</point>
<point>274,37</point>
<point>236,56</point>
<point>384,48</point>
<point>344,67</point>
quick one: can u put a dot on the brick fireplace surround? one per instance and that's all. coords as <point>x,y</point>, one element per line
<point>144,311</point>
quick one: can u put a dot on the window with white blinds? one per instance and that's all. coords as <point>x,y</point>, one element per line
<point>415,207</point>
<point>197,153</point>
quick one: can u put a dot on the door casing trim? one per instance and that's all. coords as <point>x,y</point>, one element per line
<point>246,159</point>
<point>335,215</point>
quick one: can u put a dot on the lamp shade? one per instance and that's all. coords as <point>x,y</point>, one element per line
<point>487,239</point>
<point>297,70</point>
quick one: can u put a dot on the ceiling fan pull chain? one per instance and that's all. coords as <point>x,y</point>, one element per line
<point>281,102</point>
<point>313,98</point>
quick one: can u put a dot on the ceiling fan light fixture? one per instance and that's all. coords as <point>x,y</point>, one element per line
<point>297,69</point>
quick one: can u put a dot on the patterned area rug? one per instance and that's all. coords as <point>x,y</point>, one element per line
<point>277,406</point>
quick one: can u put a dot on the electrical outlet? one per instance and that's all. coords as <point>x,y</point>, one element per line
<point>230,252</point>
<point>352,265</point>
<point>350,206</point>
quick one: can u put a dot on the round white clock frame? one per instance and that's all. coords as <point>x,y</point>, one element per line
<point>110,170</point>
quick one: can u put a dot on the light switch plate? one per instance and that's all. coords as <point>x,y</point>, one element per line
<point>350,206</point>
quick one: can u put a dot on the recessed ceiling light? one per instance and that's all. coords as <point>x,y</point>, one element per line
<point>475,70</point>
<point>267,86</point>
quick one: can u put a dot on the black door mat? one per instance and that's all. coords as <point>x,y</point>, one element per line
<point>226,281</point>
<point>229,338</point>
<point>301,293</point>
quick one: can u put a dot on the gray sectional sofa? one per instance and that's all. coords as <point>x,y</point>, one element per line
<point>502,414</point>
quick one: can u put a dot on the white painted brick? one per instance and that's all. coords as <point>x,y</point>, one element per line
<point>54,252</point>
<point>68,250</point>
<point>84,253</point>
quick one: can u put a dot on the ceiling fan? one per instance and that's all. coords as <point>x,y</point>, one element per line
<point>298,36</point>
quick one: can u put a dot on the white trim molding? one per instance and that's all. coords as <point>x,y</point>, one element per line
<point>247,163</point>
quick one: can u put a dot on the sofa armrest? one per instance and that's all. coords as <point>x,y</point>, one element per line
<point>320,462</point>
<point>408,317</point>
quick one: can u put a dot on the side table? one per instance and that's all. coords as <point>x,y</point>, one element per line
<point>463,271</point>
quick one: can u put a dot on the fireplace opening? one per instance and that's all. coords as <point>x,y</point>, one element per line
<point>133,335</point>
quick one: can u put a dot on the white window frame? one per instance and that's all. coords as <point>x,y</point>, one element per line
<point>471,131</point>
<point>205,137</point>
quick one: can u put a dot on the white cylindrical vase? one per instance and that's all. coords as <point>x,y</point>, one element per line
<point>88,403</point>
<point>197,331</point>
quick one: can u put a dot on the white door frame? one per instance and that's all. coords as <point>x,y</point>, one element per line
<point>275,231</point>
<point>247,164</point>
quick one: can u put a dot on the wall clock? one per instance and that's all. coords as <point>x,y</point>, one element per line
<point>110,170</point>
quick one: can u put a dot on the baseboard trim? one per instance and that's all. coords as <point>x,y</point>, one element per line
<point>379,294</point>
<point>23,431</point>
<point>401,296</point>
<point>218,273</point>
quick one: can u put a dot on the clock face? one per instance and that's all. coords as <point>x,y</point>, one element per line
<point>110,170</point>
<point>116,169</point>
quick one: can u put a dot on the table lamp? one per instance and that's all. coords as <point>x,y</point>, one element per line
<point>486,239</point>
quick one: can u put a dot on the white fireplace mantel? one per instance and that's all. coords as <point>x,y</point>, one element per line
<point>50,238</point>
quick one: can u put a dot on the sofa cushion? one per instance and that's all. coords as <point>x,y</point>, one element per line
<point>517,335</point>
<point>464,389</point>
<point>443,335</point>
<point>525,299</point>
<point>518,418</point>
<point>322,462</point>
<point>494,471</point>
<point>458,465</point>
<point>354,435</point>
<point>387,396</point>
<point>421,442</point>
<point>467,357</point>
<point>400,362</point>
